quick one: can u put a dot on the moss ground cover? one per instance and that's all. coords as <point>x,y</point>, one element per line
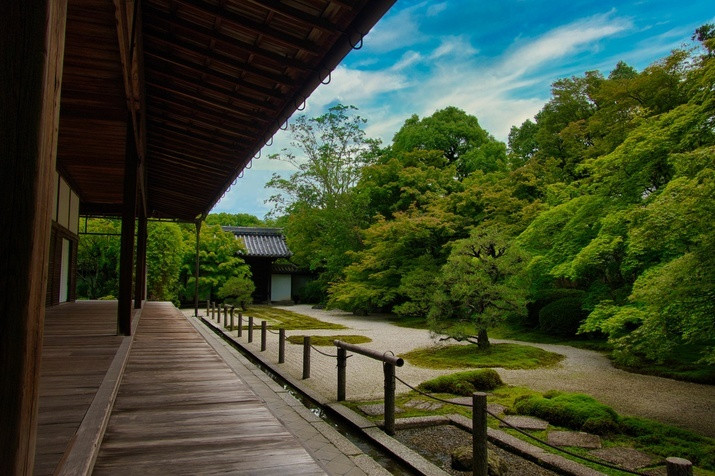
<point>328,340</point>
<point>288,320</point>
<point>508,356</point>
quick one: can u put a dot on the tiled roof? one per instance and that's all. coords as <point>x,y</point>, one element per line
<point>261,242</point>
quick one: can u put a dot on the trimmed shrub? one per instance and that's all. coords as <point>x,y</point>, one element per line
<point>575,411</point>
<point>545,298</point>
<point>562,317</point>
<point>463,383</point>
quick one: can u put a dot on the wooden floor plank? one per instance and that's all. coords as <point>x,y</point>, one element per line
<point>182,410</point>
<point>79,345</point>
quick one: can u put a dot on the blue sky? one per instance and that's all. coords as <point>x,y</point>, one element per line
<point>494,59</point>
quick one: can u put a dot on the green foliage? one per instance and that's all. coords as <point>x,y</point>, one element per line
<point>164,253</point>
<point>98,259</point>
<point>463,383</point>
<point>233,219</point>
<point>476,284</point>
<point>571,410</point>
<point>288,320</point>
<point>506,356</point>
<point>237,290</point>
<point>562,317</point>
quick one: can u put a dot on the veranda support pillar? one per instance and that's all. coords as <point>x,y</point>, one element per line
<point>196,271</point>
<point>32,48</point>
<point>140,279</point>
<point>126,253</point>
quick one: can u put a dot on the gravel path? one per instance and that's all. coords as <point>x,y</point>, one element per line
<point>685,404</point>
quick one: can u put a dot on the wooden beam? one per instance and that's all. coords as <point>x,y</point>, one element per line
<point>126,254</point>
<point>31,54</point>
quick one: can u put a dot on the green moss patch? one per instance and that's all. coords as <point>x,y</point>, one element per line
<point>288,320</point>
<point>328,340</point>
<point>463,383</point>
<point>507,356</point>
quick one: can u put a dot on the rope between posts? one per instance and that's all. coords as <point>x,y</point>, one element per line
<point>575,455</point>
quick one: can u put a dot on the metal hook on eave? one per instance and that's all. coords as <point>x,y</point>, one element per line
<point>269,142</point>
<point>249,165</point>
<point>359,44</point>
<point>301,107</point>
<point>329,78</point>
<point>284,127</point>
<point>258,155</point>
<point>240,174</point>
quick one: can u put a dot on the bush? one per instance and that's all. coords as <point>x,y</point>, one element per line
<point>463,383</point>
<point>562,317</point>
<point>575,411</point>
<point>237,291</point>
<point>545,298</point>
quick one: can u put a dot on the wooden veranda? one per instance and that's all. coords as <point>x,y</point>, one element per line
<point>142,108</point>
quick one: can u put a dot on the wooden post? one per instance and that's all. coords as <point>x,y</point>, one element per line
<point>232,326</point>
<point>32,48</point>
<point>342,365</point>
<point>140,275</point>
<point>250,329</point>
<point>196,270</point>
<point>240,324</point>
<point>678,467</point>
<point>263,335</point>
<point>208,307</point>
<point>213,310</point>
<point>225,316</point>
<point>389,371</point>
<point>281,346</point>
<point>306,357</point>
<point>126,252</point>
<point>479,434</point>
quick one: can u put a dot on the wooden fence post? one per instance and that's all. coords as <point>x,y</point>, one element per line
<point>240,324</point>
<point>208,307</point>
<point>213,310</point>
<point>250,329</point>
<point>231,328</point>
<point>678,467</point>
<point>306,357</point>
<point>225,315</point>
<point>342,364</point>
<point>389,371</point>
<point>263,335</point>
<point>479,434</point>
<point>281,346</point>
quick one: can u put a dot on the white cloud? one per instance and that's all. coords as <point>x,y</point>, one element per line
<point>395,31</point>
<point>436,9</point>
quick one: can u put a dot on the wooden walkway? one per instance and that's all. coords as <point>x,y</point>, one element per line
<point>182,410</point>
<point>79,344</point>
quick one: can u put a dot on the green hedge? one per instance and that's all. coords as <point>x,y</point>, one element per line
<point>463,383</point>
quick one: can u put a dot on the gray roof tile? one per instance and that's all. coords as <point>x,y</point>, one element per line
<point>261,242</point>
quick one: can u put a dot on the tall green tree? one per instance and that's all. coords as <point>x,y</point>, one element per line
<point>164,253</point>
<point>476,286</point>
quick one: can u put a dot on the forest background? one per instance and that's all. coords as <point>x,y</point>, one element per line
<point>594,221</point>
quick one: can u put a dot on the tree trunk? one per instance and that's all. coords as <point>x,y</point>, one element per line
<point>482,339</point>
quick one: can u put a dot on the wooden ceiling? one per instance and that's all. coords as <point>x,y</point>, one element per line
<point>201,85</point>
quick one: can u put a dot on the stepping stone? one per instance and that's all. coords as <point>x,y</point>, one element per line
<point>462,400</point>
<point>525,422</point>
<point>495,408</point>
<point>574,438</point>
<point>628,458</point>
<point>376,409</point>
<point>423,405</point>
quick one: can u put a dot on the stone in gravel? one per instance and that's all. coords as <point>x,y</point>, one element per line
<point>525,422</point>
<point>461,400</point>
<point>574,438</point>
<point>376,409</point>
<point>628,458</point>
<point>495,408</point>
<point>462,461</point>
<point>423,405</point>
